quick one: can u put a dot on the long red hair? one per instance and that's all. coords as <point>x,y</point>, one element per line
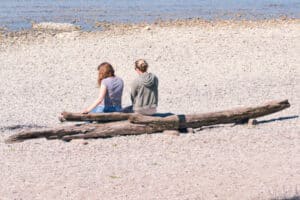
<point>105,70</point>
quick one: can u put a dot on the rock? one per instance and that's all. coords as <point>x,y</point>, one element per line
<point>147,28</point>
<point>252,122</point>
<point>55,26</point>
<point>85,143</point>
<point>61,118</point>
<point>171,132</point>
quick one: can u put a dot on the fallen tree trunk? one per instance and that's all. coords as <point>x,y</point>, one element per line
<point>238,115</point>
<point>139,124</point>
<point>102,117</point>
<point>84,131</point>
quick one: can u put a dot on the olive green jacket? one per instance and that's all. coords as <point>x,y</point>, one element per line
<point>144,91</point>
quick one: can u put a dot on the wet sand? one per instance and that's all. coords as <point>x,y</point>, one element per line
<point>202,67</point>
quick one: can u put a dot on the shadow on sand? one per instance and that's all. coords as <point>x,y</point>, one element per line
<point>278,119</point>
<point>21,126</point>
<point>288,198</point>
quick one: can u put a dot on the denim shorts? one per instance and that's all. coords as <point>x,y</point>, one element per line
<point>103,109</point>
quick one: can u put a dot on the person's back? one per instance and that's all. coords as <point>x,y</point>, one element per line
<point>144,90</point>
<point>110,93</point>
<point>113,96</point>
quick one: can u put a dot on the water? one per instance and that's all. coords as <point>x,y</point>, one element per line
<point>18,14</point>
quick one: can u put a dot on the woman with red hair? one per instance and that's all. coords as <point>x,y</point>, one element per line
<point>110,93</point>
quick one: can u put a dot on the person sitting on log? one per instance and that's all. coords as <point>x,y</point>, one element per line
<point>144,90</point>
<point>110,93</point>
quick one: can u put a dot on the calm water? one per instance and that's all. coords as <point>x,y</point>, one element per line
<point>18,14</point>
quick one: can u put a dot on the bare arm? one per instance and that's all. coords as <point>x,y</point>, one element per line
<point>100,98</point>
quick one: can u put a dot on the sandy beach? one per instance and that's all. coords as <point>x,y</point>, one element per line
<point>202,67</point>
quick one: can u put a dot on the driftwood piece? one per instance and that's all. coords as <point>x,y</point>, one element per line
<point>85,131</point>
<point>237,115</point>
<point>139,124</point>
<point>102,117</point>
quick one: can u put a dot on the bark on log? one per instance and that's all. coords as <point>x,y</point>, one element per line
<point>206,119</point>
<point>102,117</point>
<point>85,131</point>
<point>139,124</point>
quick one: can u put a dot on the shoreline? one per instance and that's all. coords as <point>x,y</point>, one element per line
<point>17,16</point>
<point>31,35</point>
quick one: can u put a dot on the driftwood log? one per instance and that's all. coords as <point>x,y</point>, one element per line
<point>134,124</point>
<point>102,117</point>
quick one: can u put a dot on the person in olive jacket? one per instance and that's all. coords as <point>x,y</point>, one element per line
<point>144,90</point>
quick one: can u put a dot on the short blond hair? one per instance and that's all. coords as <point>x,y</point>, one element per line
<point>141,64</point>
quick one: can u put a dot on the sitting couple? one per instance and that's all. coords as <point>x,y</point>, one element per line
<point>144,91</point>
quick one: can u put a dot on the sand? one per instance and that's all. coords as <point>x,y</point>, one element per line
<point>201,68</point>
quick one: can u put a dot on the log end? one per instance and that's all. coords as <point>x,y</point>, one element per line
<point>283,103</point>
<point>286,103</point>
<point>12,140</point>
<point>61,119</point>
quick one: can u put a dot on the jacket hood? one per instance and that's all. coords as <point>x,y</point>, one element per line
<point>147,79</point>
